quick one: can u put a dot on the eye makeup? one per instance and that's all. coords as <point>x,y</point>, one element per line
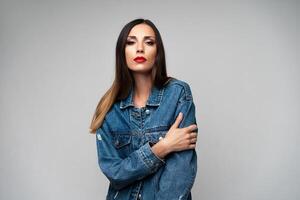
<point>149,42</point>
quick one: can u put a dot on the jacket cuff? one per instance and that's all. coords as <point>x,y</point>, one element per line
<point>152,161</point>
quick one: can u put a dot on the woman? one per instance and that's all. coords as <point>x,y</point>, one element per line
<point>145,123</point>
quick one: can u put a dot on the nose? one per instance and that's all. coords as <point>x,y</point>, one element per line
<point>140,48</point>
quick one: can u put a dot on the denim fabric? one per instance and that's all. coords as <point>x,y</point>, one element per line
<point>124,146</point>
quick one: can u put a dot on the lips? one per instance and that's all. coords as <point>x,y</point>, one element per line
<point>140,59</point>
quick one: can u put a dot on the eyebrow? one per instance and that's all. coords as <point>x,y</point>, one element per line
<point>146,37</point>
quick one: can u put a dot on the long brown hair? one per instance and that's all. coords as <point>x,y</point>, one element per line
<point>123,77</point>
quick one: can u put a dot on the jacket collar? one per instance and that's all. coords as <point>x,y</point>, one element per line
<point>153,100</point>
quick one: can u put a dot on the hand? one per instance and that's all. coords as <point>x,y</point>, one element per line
<point>178,139</point>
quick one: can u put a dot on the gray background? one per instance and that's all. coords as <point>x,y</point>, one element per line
<point>239,57</point>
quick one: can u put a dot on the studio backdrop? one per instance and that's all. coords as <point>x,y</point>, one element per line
<point>57,58</point>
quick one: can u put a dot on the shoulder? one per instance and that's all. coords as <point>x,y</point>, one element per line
<point>180,86</point>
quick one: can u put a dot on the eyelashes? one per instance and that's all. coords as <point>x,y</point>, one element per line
<point>150,43</point>
<point>129,43</point>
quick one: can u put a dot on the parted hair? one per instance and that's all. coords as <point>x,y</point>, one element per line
<point>124,80</point>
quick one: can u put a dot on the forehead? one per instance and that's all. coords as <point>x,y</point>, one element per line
<point>141,30</point>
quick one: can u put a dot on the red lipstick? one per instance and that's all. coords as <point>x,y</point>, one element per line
<point>140,59</point>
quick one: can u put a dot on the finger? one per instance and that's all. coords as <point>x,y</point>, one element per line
<point>193,135</point>
<point>191,128</point>
<point>177,121</point>
<point>193,140</point>
<point>192,146</point>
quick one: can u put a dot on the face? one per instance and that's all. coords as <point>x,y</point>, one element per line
<point>141,43</point>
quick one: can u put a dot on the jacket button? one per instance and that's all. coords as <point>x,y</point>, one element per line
<point>117,142</point>
<point>140,196</point>
<point>147,111</point>
<point>160,138</point>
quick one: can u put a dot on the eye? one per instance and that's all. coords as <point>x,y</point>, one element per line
<point>150,43</point>
<point>129,42</point>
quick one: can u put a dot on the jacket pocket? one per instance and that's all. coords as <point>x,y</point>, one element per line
<point>155,134</point>
<point>122,142</point>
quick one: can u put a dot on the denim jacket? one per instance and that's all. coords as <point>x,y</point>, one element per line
<point>124,146</point>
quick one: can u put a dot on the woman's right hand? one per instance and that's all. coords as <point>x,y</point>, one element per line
<point>176,139</point>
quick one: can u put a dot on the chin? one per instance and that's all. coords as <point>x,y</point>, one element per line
<point>140,68</point>
<point>142,71</point>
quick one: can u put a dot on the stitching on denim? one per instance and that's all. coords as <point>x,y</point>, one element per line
<point>145,159</point>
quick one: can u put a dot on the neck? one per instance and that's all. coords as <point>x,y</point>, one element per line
<point>142,88</point>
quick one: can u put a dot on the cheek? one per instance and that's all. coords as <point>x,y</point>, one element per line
<point>129,54</point>
<point>152,54</point>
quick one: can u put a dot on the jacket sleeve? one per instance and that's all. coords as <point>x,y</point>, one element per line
<point>121,172</point>
<point>180,169</point>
